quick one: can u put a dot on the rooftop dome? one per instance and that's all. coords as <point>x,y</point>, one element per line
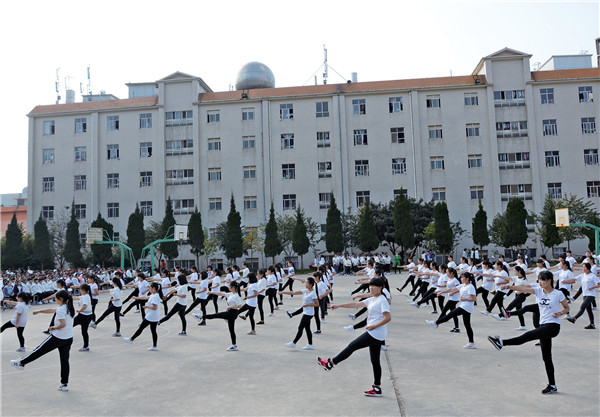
<point>254,75</point>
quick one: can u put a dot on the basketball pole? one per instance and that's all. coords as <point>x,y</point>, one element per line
<point>596,234</point>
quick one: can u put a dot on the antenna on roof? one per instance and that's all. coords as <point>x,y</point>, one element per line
<point>325,66</point>
<point>57,85</point>
<point>536,66</point>
<point>89,84</point>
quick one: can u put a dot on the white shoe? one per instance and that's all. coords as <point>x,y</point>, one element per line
<point>413,303</point>
<point>21,349</point>
<point>128,340</point>
<point>197,317</point>
<point>291,345</point>
<point>352,316</point>
<point>349,329</point>
<point>469,346</point>
<point>431,323</point>
<point>308,347</point>
<point>497,317</point>
<point>349,293</point>
<point>521,328</point>
<point>93,324</point>
<point>484,312</point>
<point>117,334</point>
<point>384,348</point>
<point>63,387</point>
<point>153,349</point>
<point>17,364</point>
<point>232,348</point>
<point>271,315</point>
<point>137,311</point>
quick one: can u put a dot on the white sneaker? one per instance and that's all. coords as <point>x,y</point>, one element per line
<point>291,345</point>
<point>271,315</point>
<point>469,346</point>
<point>17,364</point>
<point>93,324</point>
<point>137,311</point>
<point>63,387</point>
<point>521,328</point>
<point>349,293</point>
<point>352,316</point>
<point>413,303</point>
<point>232,348</point>
<point>431,323</point>
<point>484,312</point>
<point>308,347</point>
<point>197,317</point>
<point>497,317</point>
<point>349,329</point>
<point>21,349</point>
<point>384,348</point>
<point>128,340</point>
<point>117,334</point>
<point>153,349</point>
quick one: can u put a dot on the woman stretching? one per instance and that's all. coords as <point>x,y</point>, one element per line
<point>84,316</point>
<point>151,317</point>
<point>309,303</point>
<point>589,283</point>
<point>452,298</point>
<point>500,278</point>
<point>520,279</point>
<point>114,306</point>
<point>20,318</point>
<point>201,298</point>
<point>251,301</point>
<point>179,308</point>
<point>234,303</point>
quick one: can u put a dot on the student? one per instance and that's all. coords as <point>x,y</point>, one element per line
<point>193,282</point>
<point>92,281</point>
<point>84,316</point>
<point>520,279</point>
<point>487,275</point>
<point>234,303</point>
<point>19,320</point>
<point>215,285</point>
<point>262,289</point>
<point>379,316</point>
<point>61,338</point>
<point>452,298</point>
<point>500,278</point>
<point>411,268</point>
<point>150,319</point>
<point>589,283</point>
<point>309,303</point>
<point>165,283</point>
<point>290,277</point>
<point>143,289</point>
<point>549,301</point>
<point>181,293</point>
<point>114,306</point>
<point>272,286</point>
<point>201,298</point>
<point>251,301</point>
<point>60,285</point>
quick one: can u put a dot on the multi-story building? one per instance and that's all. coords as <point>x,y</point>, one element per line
<point>499,133</point>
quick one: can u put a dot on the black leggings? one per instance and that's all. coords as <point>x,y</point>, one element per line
<point>579,292</point>
<point>289,283</point>
<point>20,331</point>
<point>112,309</point>
<point>215,301</point>
<point>466,320</point>
<point>140,306</point>
<point>94,303</point>
<point>484,295</point>
<point>422,290</point>
<point>530,308</point>
<point>363,341</point>
<point>165,304</point>
<point>410,280</point>
<point>362,287</point>
<point>261,298</point>
<point>202,302</point>
<point>145,323</point>
<point>134,293</point>
<point>84,321</point>
<point>272,294</point>
<point>586,305</point>
<point>230,316</point>
<point>249,314</point>
<point>178,308</point>
<point>497,300</point>
<point>48,345</point>
<point>544,334</point>
<point>192,290</point>
<point>518,303</point>
<point>429,295</point>
<point>323,307</point>
<point>304,325</point>
<point>449,306</point>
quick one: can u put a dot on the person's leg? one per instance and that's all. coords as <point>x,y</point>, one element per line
<point>182,317</point>
<point>375,353</point>
<point>85,323</point>
<point>544,331</point>
<point>586,303</point>
<point>317,320</point>
<point>440,300</point>
<point>299,310</point>
<point>467,323</point>
<point>108,310</point>
<point>64,350</point>
<point>307,328</point>
<point>118,319</point>
<point>323,307</point>
<point>173,311</point>
<point>579,292</point>
<point>251,311</point>
<point>6,325</point>
<point>145,323</point>
<point>360,324</point>
<point>448,316</point>
<point>46,346</point>
<point>192,306</point>
<point>484,296</point>
<point>360,342</point>
<point>153,325</point>
<point>94,303</point>
<point>165,303</point>
<point>20,336</point>
<point>231,326</point>
<point>261,299</point>
<point>546,347</point>
<point>361,312</point>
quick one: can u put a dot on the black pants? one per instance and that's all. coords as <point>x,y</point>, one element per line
<point>134,293</point>
<point>230,316</point>
<point>317,319</point>
<point>165,304</point>
<point>289,283</point>
<point>429,295</point>
<point>83,321</point>
<point>202,302</point>
<point>499,301</point>
<point>215,301</point>
<point>192,290</point>
<point>177,309</point>
<point>94,303</point>
<point>361,342</point>
<point>112,309</point>
<point>362,287</point>
<point>544,334</point>
<point>586,305</point>
<point>140,306</point>
<point>361,312</point>
<point>484,295</point>
<point>466,321</point>
<point>422,290</point>
<point>323,307</point>
<point>20,331</point>
<point>261,299</point>
<point>272,294</point>
<point>410,280</point>
<point>517,303</point>
<point>449,306</point>
<point>304,326</point>
<point>145,323</point>
<point>249,314</point>
<point>530,308</point>
<point>52,342</point>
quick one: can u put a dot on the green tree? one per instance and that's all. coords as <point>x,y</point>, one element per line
<point>580,211</point>
<point>516,226</point>
<point>136,235</point>
<point>41,244</point>
<point>102,254</point>
<point>481,236</point>
<point>422,214</point>
<point>234,241</point>
<point>548,232</point>
<point>429,237</point>
<point>13,254</point>
<point>168,249</point>
<point>196,234</point>
<point>300,241</point>
<point>211,245</point>
<point>367,234</point>
<point>383,218</point>
<point>273,246</point>
<point>498,231</point>
<point>253,241</point>
<point>590,234</point>
<point>334,237</point>
<point>72,249</point>
<point>404,229</point>
<point>443,229</point>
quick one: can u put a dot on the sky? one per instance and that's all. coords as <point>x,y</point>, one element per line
<point>141,41</point>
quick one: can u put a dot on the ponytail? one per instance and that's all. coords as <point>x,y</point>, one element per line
<point>158,288</point>
<point>117,282</point>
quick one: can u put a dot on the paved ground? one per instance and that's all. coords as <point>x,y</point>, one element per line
<point>194,375</point>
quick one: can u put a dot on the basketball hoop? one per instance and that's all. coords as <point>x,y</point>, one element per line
<point>180,233</point>
<point>94,234</point>
<point>562,217</point>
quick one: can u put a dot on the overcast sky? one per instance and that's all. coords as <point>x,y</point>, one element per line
<point>136,41</point>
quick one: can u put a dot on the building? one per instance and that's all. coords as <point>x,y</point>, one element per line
<point>499,133</point>
<point>10,204</point>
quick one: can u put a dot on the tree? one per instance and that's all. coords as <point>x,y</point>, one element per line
<point>429,237</point>
<point>13,254</point>
<point>196,235</point>
<point>102,254</point>
<point>153,233</point>
<point>273,246</point>
<point>579,212</point>
<point>404,229</point>
<point>443,230</point>
<point>481,236</point>
<point>300,241</point>
<point>211,245</point>
<point>285,229</point>
<point>422,214</point>
<point>547,231</point>
<point>498,233</point>
<point>383,218</point>
<point>72,248</point>
<point>334,237</point>
<point>234,241</point>
<point>367,234</point>
<point>41,244</point>
<point>590,233</point>
<point>57,229</point>
<point>168,249</point>
<point>516,226</point>
<point>136,235</point>
<point>350,228</point>
<point>253,241</point>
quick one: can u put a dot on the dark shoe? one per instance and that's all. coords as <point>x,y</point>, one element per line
<point>325,364</point>
<point>373,392</point>
<point>46,332</point>
<point>243,317</point>
<point>495,341</point>
<point>590,327</point>
<point>455,330</point>
<point>261,322</point>
<point>202,323</point>
<point>571,319</point>
<point>549,390</point>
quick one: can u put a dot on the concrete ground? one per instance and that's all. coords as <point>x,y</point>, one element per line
<point>426,372</point>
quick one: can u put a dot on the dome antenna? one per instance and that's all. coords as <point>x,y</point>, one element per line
<point>325,67</point>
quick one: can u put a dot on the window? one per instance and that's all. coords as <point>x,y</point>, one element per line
<point>48,213</point>
<point>398,166</point>
<point>396,105</point>
<point>81,125</point>
<point>397,134</point>
<point>249,172</point>
<point>471,99</point>
<point>49,127</point>
<point>80,183</point>
<point>213,116</point>
<point>145,149</point>
<point>112,151</point>
<point>322,109</point>
<point>513,160</point>
<point>212,232</point>
<point>47,184</point>
<point>80,153</point>
<point>359,106</point>
<point>522,191</point>
<point>214,204</point>
<point>323,230</point>
<point>286,111</point>
<point>145,120</point>
<point>248,113</point>
<point>555,189</point>
<point>250,202</point>
<point>511,129</point>
<point>146,179</point>
<point>323,140</point>
<point>552,159</point>
<point>146,208</point>
<point>287,141</point>
<point>180,147</point>
<point>437,162</point>
<point>476,192</point>
<point>183,206</point>
<point>248,142</point>
<point>116,236</point>
<point>593,189</point>
<point>588,125</point>
<point>438,194</point>
<point>509,98</point>
<point>472,129</point>
<point>549,127</point>
<point>324,200</point>
<point>433,101</point>
<point>80,211</point>
<point>585,94</point>
<point>289,202</point>
<point>361,168</point>
<point>180,176</point>
<point>435,132</point>
<point>360,137</point>
<point>590,156</point>
<point>48,156</point>
<point>112,123</point>
<point>288,171</point>
<point>362,198</point>
<point>474,161</point>
<point>179,118</point>
<point>214,144</point>
<point>547,95</point>
<point>113,209</point>
<point>112,180</point>
<point>214,174</point>
<point>401,192</point>
<point>324,169</point>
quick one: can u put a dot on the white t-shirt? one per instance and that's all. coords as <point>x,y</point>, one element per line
<point>182,290</point>
<point>117,294</point>
<point>564,275</point>
<point>308,298</point>
<point>62,313</point>
<point>262,285</point>
<point>451,264</point>
<point>271,281</point>
<point>377,306</point>
<point>165,285</point>
<point>452,283</point>
<point>93,289</point>
<point>488,282</point>
<point>433,278</point>
<point>291,271</point>
<point>193,277</point>
<point>499,279</point>
<point>571,261</point>
<point>464,291</point>
<point>23,309</point>
<point>144,287</point>
<point>203,295</point>
<point>245,273</point>
<point>153,315</point>
<point>322,288</point>
<point>216,283</point>
<point>252,290</point>
<point>548,303</point>
<point>587,281</point>
<point>234,300</point>
<point>87,301</point>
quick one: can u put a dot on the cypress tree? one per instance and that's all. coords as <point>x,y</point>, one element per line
<point>169,249</point>
<point>41,244</point>
<point>334,237</point>
<point>443,230</point>
<point>549,233</point>
<point>136,235</point>
<point>367,233</point>
<point>404,229</point>
<point>72,249</point>
<point>196,234</point>
<point>234,240</point>
<point>481,236</point>
<point>101,254</point>
<point>300,241</point>
<point>516,227</point>
<point>273,245</point>
<point>13,254</point>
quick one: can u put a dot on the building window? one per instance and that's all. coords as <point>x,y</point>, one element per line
<point>287,141</point>
<point>435,132</point>
<point>185,206</point>
<point>476,192</point>
<point>361,168</point>
<point>474,161</point>
<point>397,134</point>
<point>396,105</point>
<point>146,179</point>
<point>438,194</point>
<point>323,140</point>
<point>288,171</point>
<point>511,129</point>
<point>549,127</point>
<point>437,162</point>
<point>324,169</point>
<point>555,189</point>
<point>80,153</point>
<point>214,204</point>
<point>471,99</point>
<point>112,180</point>
<point>179,118</point>
<point>249,172</point>
<point>398,166</point>
<point>472,129</point>
<point>80,211</point>
<point>552,159</point>
<point>593,189</point>
<point>522,191</point>
<point>248,113</point>
<point>590,156</point>
<point>585,94</point>
<point>49,127</point>
<point>433,101</point>
<point>180,147</point>
<point>48,156</point>
<point>362,198</point>
<point>214,144</point>
<point>146,208</point>
<point>80,183</point>
<point>286,111</point>
<point>360,137</point>
<point>322,109</point>
<point>113,210</point>
<point>248,142</point>
<point>324,200</point>
<point>547,95</point>
<point>145,120</point>
<point>214,174</point>
<point>359,106</point>
<point>112,151</point>
<point>81,125</point>
<point>250,203</point>
<point>48,184</point>
<point>116,236</point>
<point>401,192</point>
<point>145,149</point>
<point>213,116</point>
<point>588,125</point>
<point>513,160</point>
<point>48,213</point>
<point>180,176</point>
<point>112,123</point>
<point>509,98</point>
<point>289,202</point>
<point>212,232</point>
